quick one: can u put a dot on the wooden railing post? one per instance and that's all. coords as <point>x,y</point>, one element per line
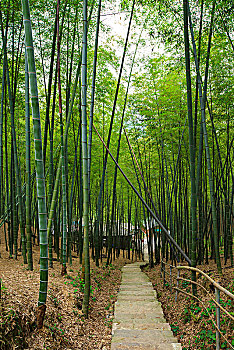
<point>217,297</point>
<point>218,289</point>
<point>171,278</point>
<point>177,284</point>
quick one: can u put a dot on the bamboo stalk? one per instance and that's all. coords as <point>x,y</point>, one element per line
<point>85,305</point>
<point>28,168</point>
<point>40,179</point>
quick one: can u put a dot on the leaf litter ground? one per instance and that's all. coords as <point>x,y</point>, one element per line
<point>65,326</point>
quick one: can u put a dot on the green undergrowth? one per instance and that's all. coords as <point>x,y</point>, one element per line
<point>194,324</point>
<point>98,278</point>
<point>206,337</point>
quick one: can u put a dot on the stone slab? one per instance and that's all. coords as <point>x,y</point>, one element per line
<point>139,309</point>
<point>130,297</point>
<point>143,337</point>
<point>139,322</point>
<point>142,292</point>
<point>138,303</point>
<point>131,317</point>
<point>146,347</point>
<point>137,282</point>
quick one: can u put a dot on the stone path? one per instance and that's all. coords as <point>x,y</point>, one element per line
<point>139,323</point>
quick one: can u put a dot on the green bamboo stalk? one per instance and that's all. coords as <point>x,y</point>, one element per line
<point>17,174</point>
<point>51,156</point>
<point>51,180</point>
<point>69,242</point>
<point>97,221</point>
<point>227,209</point>
<point>203,120</point>
<point>8,210</point>
<point>40,179</point>
<point>118,150</point>
<point>54,195</point>
<point>52,210</point>
<point>169,237</point>
<point>49,90</point>
<point>68,109</point>
<point>191,143</point>
<point>207,149</point>
<point>80,239</point>
<point>1,129</point>
<point>93,92</point>
<point>28,168</point>
<point>69,69</point>
<point>199,54</point>
<point>133,157</point>
<point>15,153</point>
<point>64,193</point>
<point>56,182</point>
<point>85,306</point>
<point>13,205</point>
<point>71,65</point>
<point>47,122</point>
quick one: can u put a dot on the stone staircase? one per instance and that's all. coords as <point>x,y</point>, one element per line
<point>139,323</point>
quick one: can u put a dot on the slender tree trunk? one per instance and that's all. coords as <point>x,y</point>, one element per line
<point>207,149</point>
<point>191,143</point>
<point>41,195</point>
<point>93,93</point>
<point>85,306</point>
<point>64,192</point>
<point>28,168</point>
<point>97,222</point>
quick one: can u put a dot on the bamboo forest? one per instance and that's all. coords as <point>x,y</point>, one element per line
<point>116,174</point>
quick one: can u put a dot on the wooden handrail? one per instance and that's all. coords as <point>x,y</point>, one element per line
<point>199,285</point>
<point>216,285</point>
<point>193,296</point>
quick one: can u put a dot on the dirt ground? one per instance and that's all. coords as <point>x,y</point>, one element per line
<point>65,326</point>
<point>189,319</point>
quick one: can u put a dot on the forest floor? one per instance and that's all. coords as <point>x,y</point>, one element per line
<point>64,326</point>
<point>188,319</point>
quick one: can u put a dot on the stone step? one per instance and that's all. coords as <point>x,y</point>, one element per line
<point>132,298</point>
<point>135,279</point>
<point>146,299</point>
<point>139,323</point>
<point>137,282</point>
<point>136,289</point>
<point>133,316</point>
<point>172,346</point>
<point>143,337</point>
<point>139,309</point>
<point>132,266</point>
<point>126,291</point>
<point>143,324</point>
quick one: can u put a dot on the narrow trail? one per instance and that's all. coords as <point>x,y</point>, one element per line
<point>139,323</point>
